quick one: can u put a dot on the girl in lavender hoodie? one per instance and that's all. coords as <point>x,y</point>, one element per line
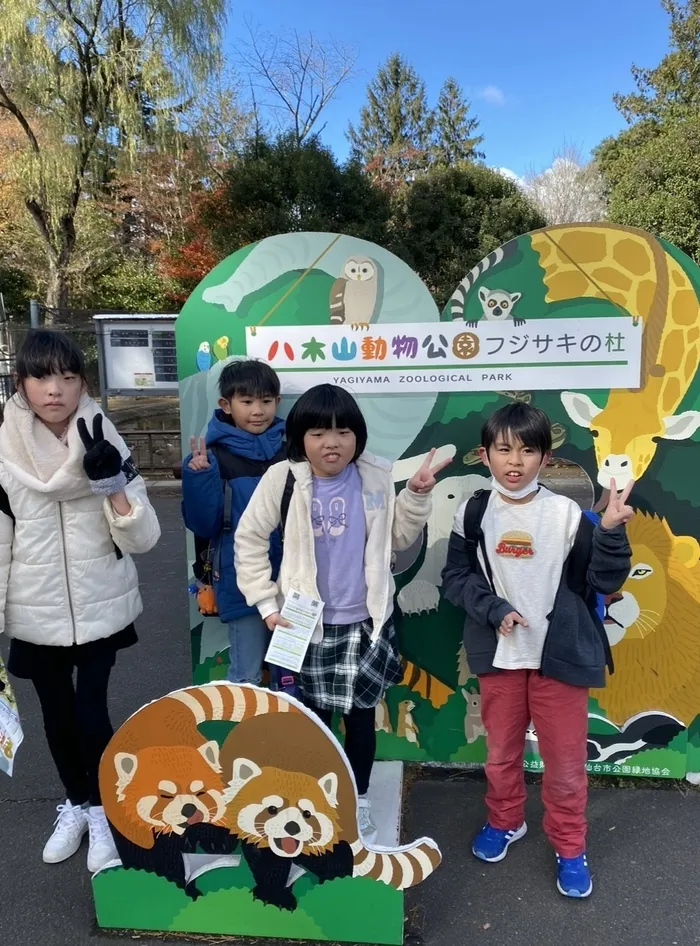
<point>343,522</point>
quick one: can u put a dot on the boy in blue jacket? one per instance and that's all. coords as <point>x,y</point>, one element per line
<point>243,440</point>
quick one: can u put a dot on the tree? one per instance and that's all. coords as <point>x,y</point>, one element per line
<point>15,290</point>
<point>134,285</point>
<point>82,78</point>
<point>298,75</point>
<point>450,218</point>
<point>219,122</point>
<point>22,250</point>
<point>455,138</point>
<point>284,187</point>
<point>651,170</point>
<point>185,264</point>
<point>570,190</point>
<point>652,175</point>
<point>393,139</point>
<point>672,89</point>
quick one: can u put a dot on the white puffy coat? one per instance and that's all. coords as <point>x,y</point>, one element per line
<point>62,580</point>
<point>391,522</point>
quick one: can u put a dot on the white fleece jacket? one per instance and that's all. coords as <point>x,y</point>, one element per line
<point>392,522</point>
<point>61,579</point>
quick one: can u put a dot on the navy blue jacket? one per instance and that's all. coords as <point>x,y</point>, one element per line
<point>576,648</point>
<point>240,458</point>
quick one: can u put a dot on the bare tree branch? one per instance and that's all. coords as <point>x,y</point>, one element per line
<point>298,74</point>
<point>7,103</point>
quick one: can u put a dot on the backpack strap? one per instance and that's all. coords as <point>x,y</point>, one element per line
<point>286,499</point>
<point>473,533</point>
<point>580,555</point>
<point>228,503</point>
<point>577,579</point>
<point>5,505</point>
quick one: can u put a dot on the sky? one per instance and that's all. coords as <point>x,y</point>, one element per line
<point>539,75</point>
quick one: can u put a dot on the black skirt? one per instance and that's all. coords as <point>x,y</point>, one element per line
<point>27,660</point>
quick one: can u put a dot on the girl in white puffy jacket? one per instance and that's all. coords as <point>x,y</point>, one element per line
<point>73,509</point>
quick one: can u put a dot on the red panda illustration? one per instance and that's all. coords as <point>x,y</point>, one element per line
<point>161,782</point>
<point>280,787</point>
<point>292,797</point>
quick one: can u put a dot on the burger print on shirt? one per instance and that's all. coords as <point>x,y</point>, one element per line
<point>515,544</point>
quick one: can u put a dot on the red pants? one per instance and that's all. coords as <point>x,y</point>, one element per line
<point>559,711</point>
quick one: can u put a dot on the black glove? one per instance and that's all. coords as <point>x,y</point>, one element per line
<point>102,461</point>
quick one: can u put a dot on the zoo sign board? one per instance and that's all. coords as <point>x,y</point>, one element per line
<point>541,355</point>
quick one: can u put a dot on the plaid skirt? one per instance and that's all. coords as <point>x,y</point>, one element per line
<point>345,669</point>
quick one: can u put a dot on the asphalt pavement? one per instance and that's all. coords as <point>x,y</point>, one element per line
<point>644,842</point>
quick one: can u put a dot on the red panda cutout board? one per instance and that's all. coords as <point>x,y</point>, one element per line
<point>269,804</point>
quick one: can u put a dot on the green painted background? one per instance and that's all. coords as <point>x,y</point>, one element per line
<point>403,426</point>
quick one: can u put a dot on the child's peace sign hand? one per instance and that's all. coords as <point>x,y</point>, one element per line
<point>424,480</point>
<point>617,512</point>
<point>200,460</point>
<point>102,461</point>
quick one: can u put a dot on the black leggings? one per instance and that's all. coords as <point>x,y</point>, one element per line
<point>360,741</point>
<point>76,722</point>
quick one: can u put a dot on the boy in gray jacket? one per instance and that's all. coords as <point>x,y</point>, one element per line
<point>526,565</point>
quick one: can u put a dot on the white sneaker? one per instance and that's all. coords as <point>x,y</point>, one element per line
<point>71,825</point>
<point>368,829</point>
<point>102,849</point>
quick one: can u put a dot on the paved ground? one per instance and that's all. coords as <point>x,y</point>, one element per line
<point>644,857</point>
<point>644,842</point>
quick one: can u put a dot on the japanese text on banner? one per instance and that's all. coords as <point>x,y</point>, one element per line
<point>542,354</point>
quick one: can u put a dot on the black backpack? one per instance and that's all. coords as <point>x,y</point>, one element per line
<point>206,557</point>
<point>284,506</point>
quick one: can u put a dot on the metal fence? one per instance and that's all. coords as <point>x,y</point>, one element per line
<point>7,360</point>
<point>154,451</point>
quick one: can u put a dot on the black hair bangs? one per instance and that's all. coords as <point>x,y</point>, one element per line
<point>253,379</point>
<point>46,352</point>
<point>529,425</point>
<point>322,408</point>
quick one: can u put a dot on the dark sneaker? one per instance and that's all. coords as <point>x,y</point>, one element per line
<point>573,876</point>
<point>491,844</point>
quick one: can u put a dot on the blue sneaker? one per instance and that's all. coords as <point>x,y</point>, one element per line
<point>573,876</point>
<point>491,844</point>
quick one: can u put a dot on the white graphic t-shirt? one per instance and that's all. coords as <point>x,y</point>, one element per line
<point>527,546</point>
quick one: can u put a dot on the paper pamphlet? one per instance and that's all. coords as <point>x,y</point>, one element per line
<point>288,645</point>
<point>11,734</point>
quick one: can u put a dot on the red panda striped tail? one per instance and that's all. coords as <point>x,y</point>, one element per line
<point>401,869</point>
<point>230,702</point>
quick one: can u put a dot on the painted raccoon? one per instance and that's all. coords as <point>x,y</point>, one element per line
<point>281,787</point>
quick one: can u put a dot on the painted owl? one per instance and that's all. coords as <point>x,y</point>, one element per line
<point>354,294</point>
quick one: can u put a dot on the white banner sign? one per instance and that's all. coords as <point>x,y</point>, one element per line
<point>539,355</point>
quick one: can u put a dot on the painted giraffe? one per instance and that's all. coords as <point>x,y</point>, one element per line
<point>632,269</point>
